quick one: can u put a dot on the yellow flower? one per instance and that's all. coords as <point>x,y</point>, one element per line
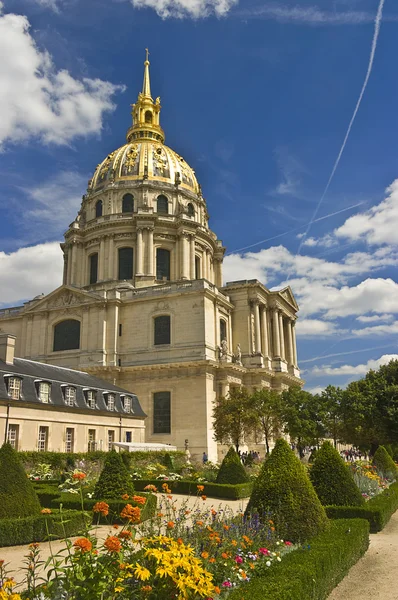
<point>141,572</point>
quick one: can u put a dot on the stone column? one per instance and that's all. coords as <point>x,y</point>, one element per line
<point>139,253</point>
<point>150,251</point>
<point>184,244</point>
<point>101,260</point>
<point>70,257</point>
<point>294,344</point>
<point>282,336</point>
<point>192,256</point>
<point>265,331</point>
<point>290,355</point>
<point>257,328</point>
<point>217,272</point>
<point>74,264</point>
<point>275,331</point>
<point>110,273</point>
<point>65,274</point>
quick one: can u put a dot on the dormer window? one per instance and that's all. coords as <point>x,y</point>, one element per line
<point>127,404</point>
<point>110,401</point>
<point>69,395</point>
<point>14,387</point>
<point>91,396</point>
<point>43,391</point>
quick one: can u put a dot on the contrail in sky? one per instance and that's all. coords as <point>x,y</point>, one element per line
<point>379,16</point>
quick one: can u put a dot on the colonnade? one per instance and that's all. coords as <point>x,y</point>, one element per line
<point>274,334</point>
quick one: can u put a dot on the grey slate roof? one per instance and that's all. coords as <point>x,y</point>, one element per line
<point>32,372</point>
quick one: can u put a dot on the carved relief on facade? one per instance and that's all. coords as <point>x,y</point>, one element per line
<point>131,161</point>
<point>160,163</point>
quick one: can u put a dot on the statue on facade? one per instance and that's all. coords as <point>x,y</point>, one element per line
<point>238,355</point>
<point>223,349</point>
<point>187,453</point>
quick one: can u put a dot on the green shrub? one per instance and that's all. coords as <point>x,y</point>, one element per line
<point>169,462</point>
<point>46,494</point>
<point>332,480</point>
<point>311,573</point>
<point>190,488</point>
<point>16,531</point>
<point>384,463</point>
<point>114,480</point>
<point>17,495</point>
<point>284,493</point>
<point>232,471</point>
<point>389,449</point>
<point>377,511</point>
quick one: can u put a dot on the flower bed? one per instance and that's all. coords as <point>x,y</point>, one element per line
<point>314,570</point>
<point>213,490</point>
<point>378,510</point>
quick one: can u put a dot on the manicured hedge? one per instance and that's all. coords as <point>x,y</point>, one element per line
<point>213,490</point>
<point>311,572</point>
<point>14,532</point>
<point>377,511</point>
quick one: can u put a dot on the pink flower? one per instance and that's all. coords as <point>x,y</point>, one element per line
<point>227,584</point>
<point>288,544</point>
<point>264,551</point>
<point>238,560</point>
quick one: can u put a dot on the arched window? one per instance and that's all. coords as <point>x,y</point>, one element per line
<point>128,203</point>
<point>223,330</point>
<point>98,209</point>
<point>67,335</point>
<point>125,263</point>
<point>93,259</point>
<point>162,330</point>
<point>190,210</point>
<point>162,205</point>
<point>197,267</point>
<point>148,116</point>
<point>162,264</point>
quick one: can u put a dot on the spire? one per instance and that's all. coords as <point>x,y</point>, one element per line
<point>146,86</point>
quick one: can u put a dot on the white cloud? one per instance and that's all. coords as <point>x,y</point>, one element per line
<point>179,9</point>
<point>353,370</point>
<point>29,272</point>
<point>376,330</point>
<point>316,390</point>
<point>38,100</point>
<point>315,327</point>
<point>375,318</point>
<point>51,4</point>
<point>379,225</point>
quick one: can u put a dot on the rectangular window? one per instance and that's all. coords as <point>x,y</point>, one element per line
<point>91,398</point>
<point>92,443</point>
<point>13,435</point>
<point>162,412</point>
<point>14,388</point>
<point>162,330</point>
<point>162,264</point>
<point>111,438</point>
<point>42,444</point>
<point>93,268</point>
<point>125,263</point>
<point>110,401</point>
<point>44,392</point>
<point>69,439</point>
<point>223,330</point>
<point>127,404</point>
<point>128,437</point>
<point>70,395</point>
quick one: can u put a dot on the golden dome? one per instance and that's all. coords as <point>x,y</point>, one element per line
<point>145,156</point>
<point>146,159</point>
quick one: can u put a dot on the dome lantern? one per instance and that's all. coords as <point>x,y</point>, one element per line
<point>146,112</point>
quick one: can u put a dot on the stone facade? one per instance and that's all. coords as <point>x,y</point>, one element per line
<point>143,286</point>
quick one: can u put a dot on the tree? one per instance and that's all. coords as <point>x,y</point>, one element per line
<point>17,495</point>
<point>384,464</point>
<point>232,471</point>
<point>232,417</point>
<point>302,418</point>
<point>283,492</point>
<point>115,479</point>
<point>266,414</point>
<point>332,479</point>
<point>331,402</point>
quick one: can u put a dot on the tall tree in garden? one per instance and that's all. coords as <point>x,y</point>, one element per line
<point>232,417</point>
<point>266,414</point>
<point>301,415</point>
<point>331,412</point>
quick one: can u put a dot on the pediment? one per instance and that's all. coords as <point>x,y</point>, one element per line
<point>287,295</point>
<point>64,297</point>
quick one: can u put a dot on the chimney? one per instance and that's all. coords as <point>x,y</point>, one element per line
<point>7,348</point>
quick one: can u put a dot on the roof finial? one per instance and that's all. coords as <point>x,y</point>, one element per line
<point>146,86</point>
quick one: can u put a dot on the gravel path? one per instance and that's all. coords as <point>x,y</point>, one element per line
<point>375,575</point>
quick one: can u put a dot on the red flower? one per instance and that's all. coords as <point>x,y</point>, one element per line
<point>82,544</point>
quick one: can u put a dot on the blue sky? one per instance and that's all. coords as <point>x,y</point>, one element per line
<point>257,96</point>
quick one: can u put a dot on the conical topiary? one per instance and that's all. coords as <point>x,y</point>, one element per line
<point>332,479</point>
<point>115,480</point>
<point>17,495</point>
<point>232,471</point>
<point>389,449</point>
<point>284,494</point>
<point>384,464</point>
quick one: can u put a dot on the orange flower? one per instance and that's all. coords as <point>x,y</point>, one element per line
<point>146,589</point>
<point>112,544</point>
<point>209,528</point>
<point>139,499</point>
<point>125,535</point>
<point>34,545</point>
<point>224,555</point>
<point>272,528</point>
<point>160,515</point>
<point>199,523</point>
<point>205,555</point>
<point>82,545</point>
<point>200,488</point>
<point>150,488</point>
<point>234,543</point>
<point>170,525</point>
<point>204,497</point>
<point>46,511</point>
<point>212,560</point>
<point>180,541</point>
<point>1,563</point>
<point>101,507</point>
<point>213,512</point>
<point>187,512</point>
<point>170,497</point>
<point>132,513</point>
<point>125,497</point>
<point>165,485</point>
<point>79,476</point>
<point>115,526</point>
<point>226,527</point>
<point>217,589</point>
